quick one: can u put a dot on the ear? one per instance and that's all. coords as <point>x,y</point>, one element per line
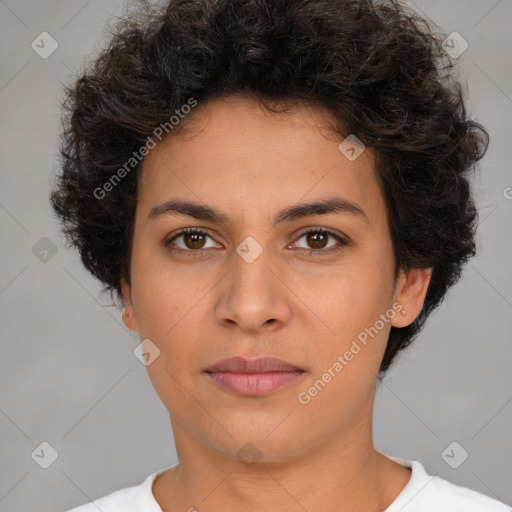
<point>410,293</point>
<point>129,315</point>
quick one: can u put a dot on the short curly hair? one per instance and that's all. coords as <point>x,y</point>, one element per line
<point>376,66</point>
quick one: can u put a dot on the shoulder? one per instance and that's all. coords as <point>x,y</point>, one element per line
<point>448,496</point>
<point>114,502</point>
<point>138,497</point>
<point>434,494</point>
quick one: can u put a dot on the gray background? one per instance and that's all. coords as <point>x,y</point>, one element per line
<point>68,375</point>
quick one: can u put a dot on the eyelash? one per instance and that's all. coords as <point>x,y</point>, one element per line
<point>190,252</point>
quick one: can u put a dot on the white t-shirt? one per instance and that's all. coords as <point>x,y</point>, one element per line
<point>423,493</point>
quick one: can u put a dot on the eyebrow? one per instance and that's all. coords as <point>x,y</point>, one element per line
<point>207,213</point>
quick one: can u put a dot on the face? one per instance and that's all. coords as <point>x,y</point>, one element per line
<point>252,282</point>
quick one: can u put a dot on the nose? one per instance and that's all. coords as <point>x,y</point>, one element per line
<point>253,297</point>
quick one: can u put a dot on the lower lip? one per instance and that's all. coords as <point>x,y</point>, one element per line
<point>254,384</point>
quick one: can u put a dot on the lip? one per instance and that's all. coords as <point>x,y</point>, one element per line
<point>260,365</point>
<point>257,377</point>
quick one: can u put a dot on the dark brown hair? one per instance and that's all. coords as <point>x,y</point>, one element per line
<point>376,66</point>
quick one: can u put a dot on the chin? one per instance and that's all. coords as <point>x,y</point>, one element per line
<point>251,444</point>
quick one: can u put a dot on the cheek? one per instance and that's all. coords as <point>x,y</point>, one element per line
<point>349,341</point>
<point>173,306</point>
<point>347,302</point>
<point>163,293</point>
<point>347,297</point>
<point>168,312</point>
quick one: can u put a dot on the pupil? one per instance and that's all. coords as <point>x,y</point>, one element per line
<point>196,240</point>
<point>312,241</point>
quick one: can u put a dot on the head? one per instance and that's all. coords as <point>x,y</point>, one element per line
<point>232,118</point>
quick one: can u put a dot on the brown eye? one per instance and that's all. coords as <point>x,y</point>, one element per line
<point>317,240</point>
<point>191,240</point>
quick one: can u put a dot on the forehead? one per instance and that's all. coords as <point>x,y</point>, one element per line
<point>232,153</point>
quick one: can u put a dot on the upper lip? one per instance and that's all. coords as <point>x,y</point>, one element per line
<point>260,365</point>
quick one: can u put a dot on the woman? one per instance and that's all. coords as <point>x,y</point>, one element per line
<point>278,193</point>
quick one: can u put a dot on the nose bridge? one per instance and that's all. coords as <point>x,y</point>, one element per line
<point>252,279</point>
<point>250,265</point>
<point>253,294</point>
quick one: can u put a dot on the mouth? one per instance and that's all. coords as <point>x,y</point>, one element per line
<point>258,377</point>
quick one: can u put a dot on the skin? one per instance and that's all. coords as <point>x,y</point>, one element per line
<point>288,303</point>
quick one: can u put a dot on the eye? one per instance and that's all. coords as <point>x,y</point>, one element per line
<point>317,239</point>
<point>193,239</point>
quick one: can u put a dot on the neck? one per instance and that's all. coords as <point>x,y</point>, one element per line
<point>344,473</point>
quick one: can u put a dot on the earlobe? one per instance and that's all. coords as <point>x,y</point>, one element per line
<point>410,293</point>
<point>129,315</point>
